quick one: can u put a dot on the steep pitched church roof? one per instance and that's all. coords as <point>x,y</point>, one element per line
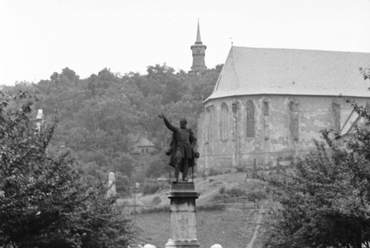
<point>252,71</point>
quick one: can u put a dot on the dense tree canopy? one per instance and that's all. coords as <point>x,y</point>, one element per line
<point>44,199</point>
<point>97,114</point>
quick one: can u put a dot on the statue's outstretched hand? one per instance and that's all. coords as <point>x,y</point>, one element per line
<point>161,116</point>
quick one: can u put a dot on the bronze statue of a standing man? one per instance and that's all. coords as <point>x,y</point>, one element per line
<point>182,147</point>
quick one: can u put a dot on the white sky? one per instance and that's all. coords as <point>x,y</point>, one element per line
<point>39,37</point>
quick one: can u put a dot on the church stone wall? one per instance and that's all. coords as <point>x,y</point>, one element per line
<point>263,129</point>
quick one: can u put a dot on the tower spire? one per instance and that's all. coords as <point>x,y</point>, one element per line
<point>198,40</point>
<point>199,52</point>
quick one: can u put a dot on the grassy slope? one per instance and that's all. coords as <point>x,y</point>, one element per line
<point>232,228</point>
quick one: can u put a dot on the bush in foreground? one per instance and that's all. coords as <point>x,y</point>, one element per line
<point>44,201</point>
<point>325,201</point>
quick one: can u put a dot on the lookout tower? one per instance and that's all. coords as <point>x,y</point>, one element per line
<point>199,52</point>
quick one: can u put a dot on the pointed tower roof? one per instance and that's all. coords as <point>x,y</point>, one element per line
<point>198,40</point>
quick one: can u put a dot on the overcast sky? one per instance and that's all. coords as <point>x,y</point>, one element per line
<point>39,37</point>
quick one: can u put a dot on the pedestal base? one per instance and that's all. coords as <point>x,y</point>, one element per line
<point>183,222</point>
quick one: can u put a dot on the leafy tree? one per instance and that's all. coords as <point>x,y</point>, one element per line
<point>44,201</point>
<point>202,85</point>
<point>123,164</point>
<point>158,166</point>
<point>122,184</point>
<point>325,201</point>
<point>96,114</point>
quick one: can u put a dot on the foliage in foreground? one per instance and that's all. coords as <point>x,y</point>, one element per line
<point>44,201</point>
<point>325,201</point>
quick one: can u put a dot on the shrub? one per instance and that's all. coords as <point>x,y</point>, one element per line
<point>238,193</point>
<point>156,200</point>
<point>256,195</point>
<point>221,198</point>
<point>211,207</point>
<point>214,172</point>
<point>151,186</point>
<point>156,210</point>
<point>221,190</point>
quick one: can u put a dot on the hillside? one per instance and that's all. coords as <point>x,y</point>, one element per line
<point>98,116</point>
<point>232,224</point>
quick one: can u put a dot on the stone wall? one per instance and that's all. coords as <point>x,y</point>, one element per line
<point>234,131</point>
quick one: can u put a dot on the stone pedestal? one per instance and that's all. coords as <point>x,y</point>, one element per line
<point>183,222</point>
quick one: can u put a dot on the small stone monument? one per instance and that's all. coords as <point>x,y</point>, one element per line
<point>111,185</point>
<point>183,222</point>
<point>39,119</point>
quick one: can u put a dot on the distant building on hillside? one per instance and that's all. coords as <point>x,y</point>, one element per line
<point>140,144</point>
<point>199,52</point>
<point>269,104</point>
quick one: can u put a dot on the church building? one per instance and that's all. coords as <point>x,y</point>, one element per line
<point>268,105</point>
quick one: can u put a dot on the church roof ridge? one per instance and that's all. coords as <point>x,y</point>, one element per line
<point>254,71</point>
<point>297,49</point>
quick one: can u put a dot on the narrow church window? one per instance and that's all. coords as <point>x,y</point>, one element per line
<point>209,123</point>
<point>265,108</point>
<point>206,126</point>
<point>211,120</point>
<point>224,122</point>
<point>294,124</point>
<point>250,119</point>
<point>336,115</point>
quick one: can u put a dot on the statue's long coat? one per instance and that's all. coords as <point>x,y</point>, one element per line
<point>173,148</point>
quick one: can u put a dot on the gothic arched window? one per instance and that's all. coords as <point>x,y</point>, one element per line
<point>250,120</point>
<point>224,121</point>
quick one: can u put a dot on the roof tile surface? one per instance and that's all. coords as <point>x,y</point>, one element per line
<point>251,71</point>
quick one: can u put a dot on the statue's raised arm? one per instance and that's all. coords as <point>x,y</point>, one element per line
<point>167,123</point>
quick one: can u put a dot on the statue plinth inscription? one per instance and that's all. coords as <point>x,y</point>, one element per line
<point>183,222</point>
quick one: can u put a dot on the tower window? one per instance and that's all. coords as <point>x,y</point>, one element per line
<point>250,120</point>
